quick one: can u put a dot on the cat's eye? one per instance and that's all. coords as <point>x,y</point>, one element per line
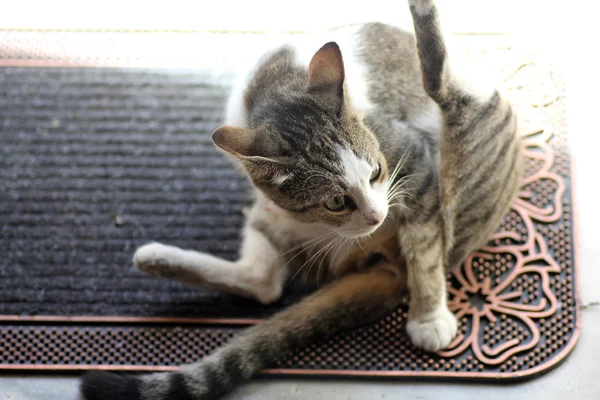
<point>335,204</point>
<point>376,172</point>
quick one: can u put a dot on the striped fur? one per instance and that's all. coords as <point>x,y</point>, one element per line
<point>459,168</point>
<point>479,148</point>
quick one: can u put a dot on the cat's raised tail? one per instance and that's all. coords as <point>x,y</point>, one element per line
<point>349,302</point>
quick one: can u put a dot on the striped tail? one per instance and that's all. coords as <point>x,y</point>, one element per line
<point>345,304</point>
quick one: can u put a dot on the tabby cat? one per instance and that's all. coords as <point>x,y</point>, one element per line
<point>387,144</point>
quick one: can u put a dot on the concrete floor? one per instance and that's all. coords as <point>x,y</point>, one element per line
<point>579,376</point>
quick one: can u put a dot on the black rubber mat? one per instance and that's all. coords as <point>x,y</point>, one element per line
<point>95,162</point>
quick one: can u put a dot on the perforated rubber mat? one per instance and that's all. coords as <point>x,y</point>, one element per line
<point>105,145</point>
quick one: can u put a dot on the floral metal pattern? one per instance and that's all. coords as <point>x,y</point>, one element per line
<point>527,252</point>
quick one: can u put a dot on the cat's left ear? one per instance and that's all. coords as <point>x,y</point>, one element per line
<point>326,76</point>
<point>246,143</point>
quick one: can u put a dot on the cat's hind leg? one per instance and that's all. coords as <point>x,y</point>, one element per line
<point>480,150</point>
<point>479,175</point>
<point>257,274</point>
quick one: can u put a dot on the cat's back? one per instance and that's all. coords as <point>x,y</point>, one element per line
<point>382,72</point>
<point>393,76</point>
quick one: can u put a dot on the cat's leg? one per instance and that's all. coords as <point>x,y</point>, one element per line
<point>257,274</point>
<point>431,325</point>
<point>349,302</point>
<point>480,150</point>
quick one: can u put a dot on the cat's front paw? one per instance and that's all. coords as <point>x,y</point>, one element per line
<point>158,260</point>
<point>433,331</point>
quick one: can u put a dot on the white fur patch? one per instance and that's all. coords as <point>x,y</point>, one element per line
<point>356,170</point>
<point>235,111</point>
<point>434,331</point>
<point>470,78</point>
<point>371,200</point>
<point>428,119</point>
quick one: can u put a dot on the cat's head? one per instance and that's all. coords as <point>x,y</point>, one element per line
<point>312,155</point>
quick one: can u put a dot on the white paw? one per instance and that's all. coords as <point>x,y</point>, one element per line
<point>434,331</point>
<point>158,260</point>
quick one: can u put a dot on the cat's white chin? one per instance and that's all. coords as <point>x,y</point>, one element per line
<point>358,233</point>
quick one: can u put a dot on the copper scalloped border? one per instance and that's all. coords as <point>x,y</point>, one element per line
<point>135,63</point>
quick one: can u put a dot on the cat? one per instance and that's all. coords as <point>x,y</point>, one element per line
<point>373,141</point>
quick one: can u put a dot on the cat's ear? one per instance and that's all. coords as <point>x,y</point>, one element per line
<point>326,75</point>
<point>245,143</point>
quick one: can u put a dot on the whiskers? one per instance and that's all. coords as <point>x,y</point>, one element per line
<point>317,257</point>
<point>398,166</point>
<point>397,191</point>
<point>324,252</point>
<point>306,246</point>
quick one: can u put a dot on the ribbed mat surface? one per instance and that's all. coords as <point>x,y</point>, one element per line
<point>96,161</point>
